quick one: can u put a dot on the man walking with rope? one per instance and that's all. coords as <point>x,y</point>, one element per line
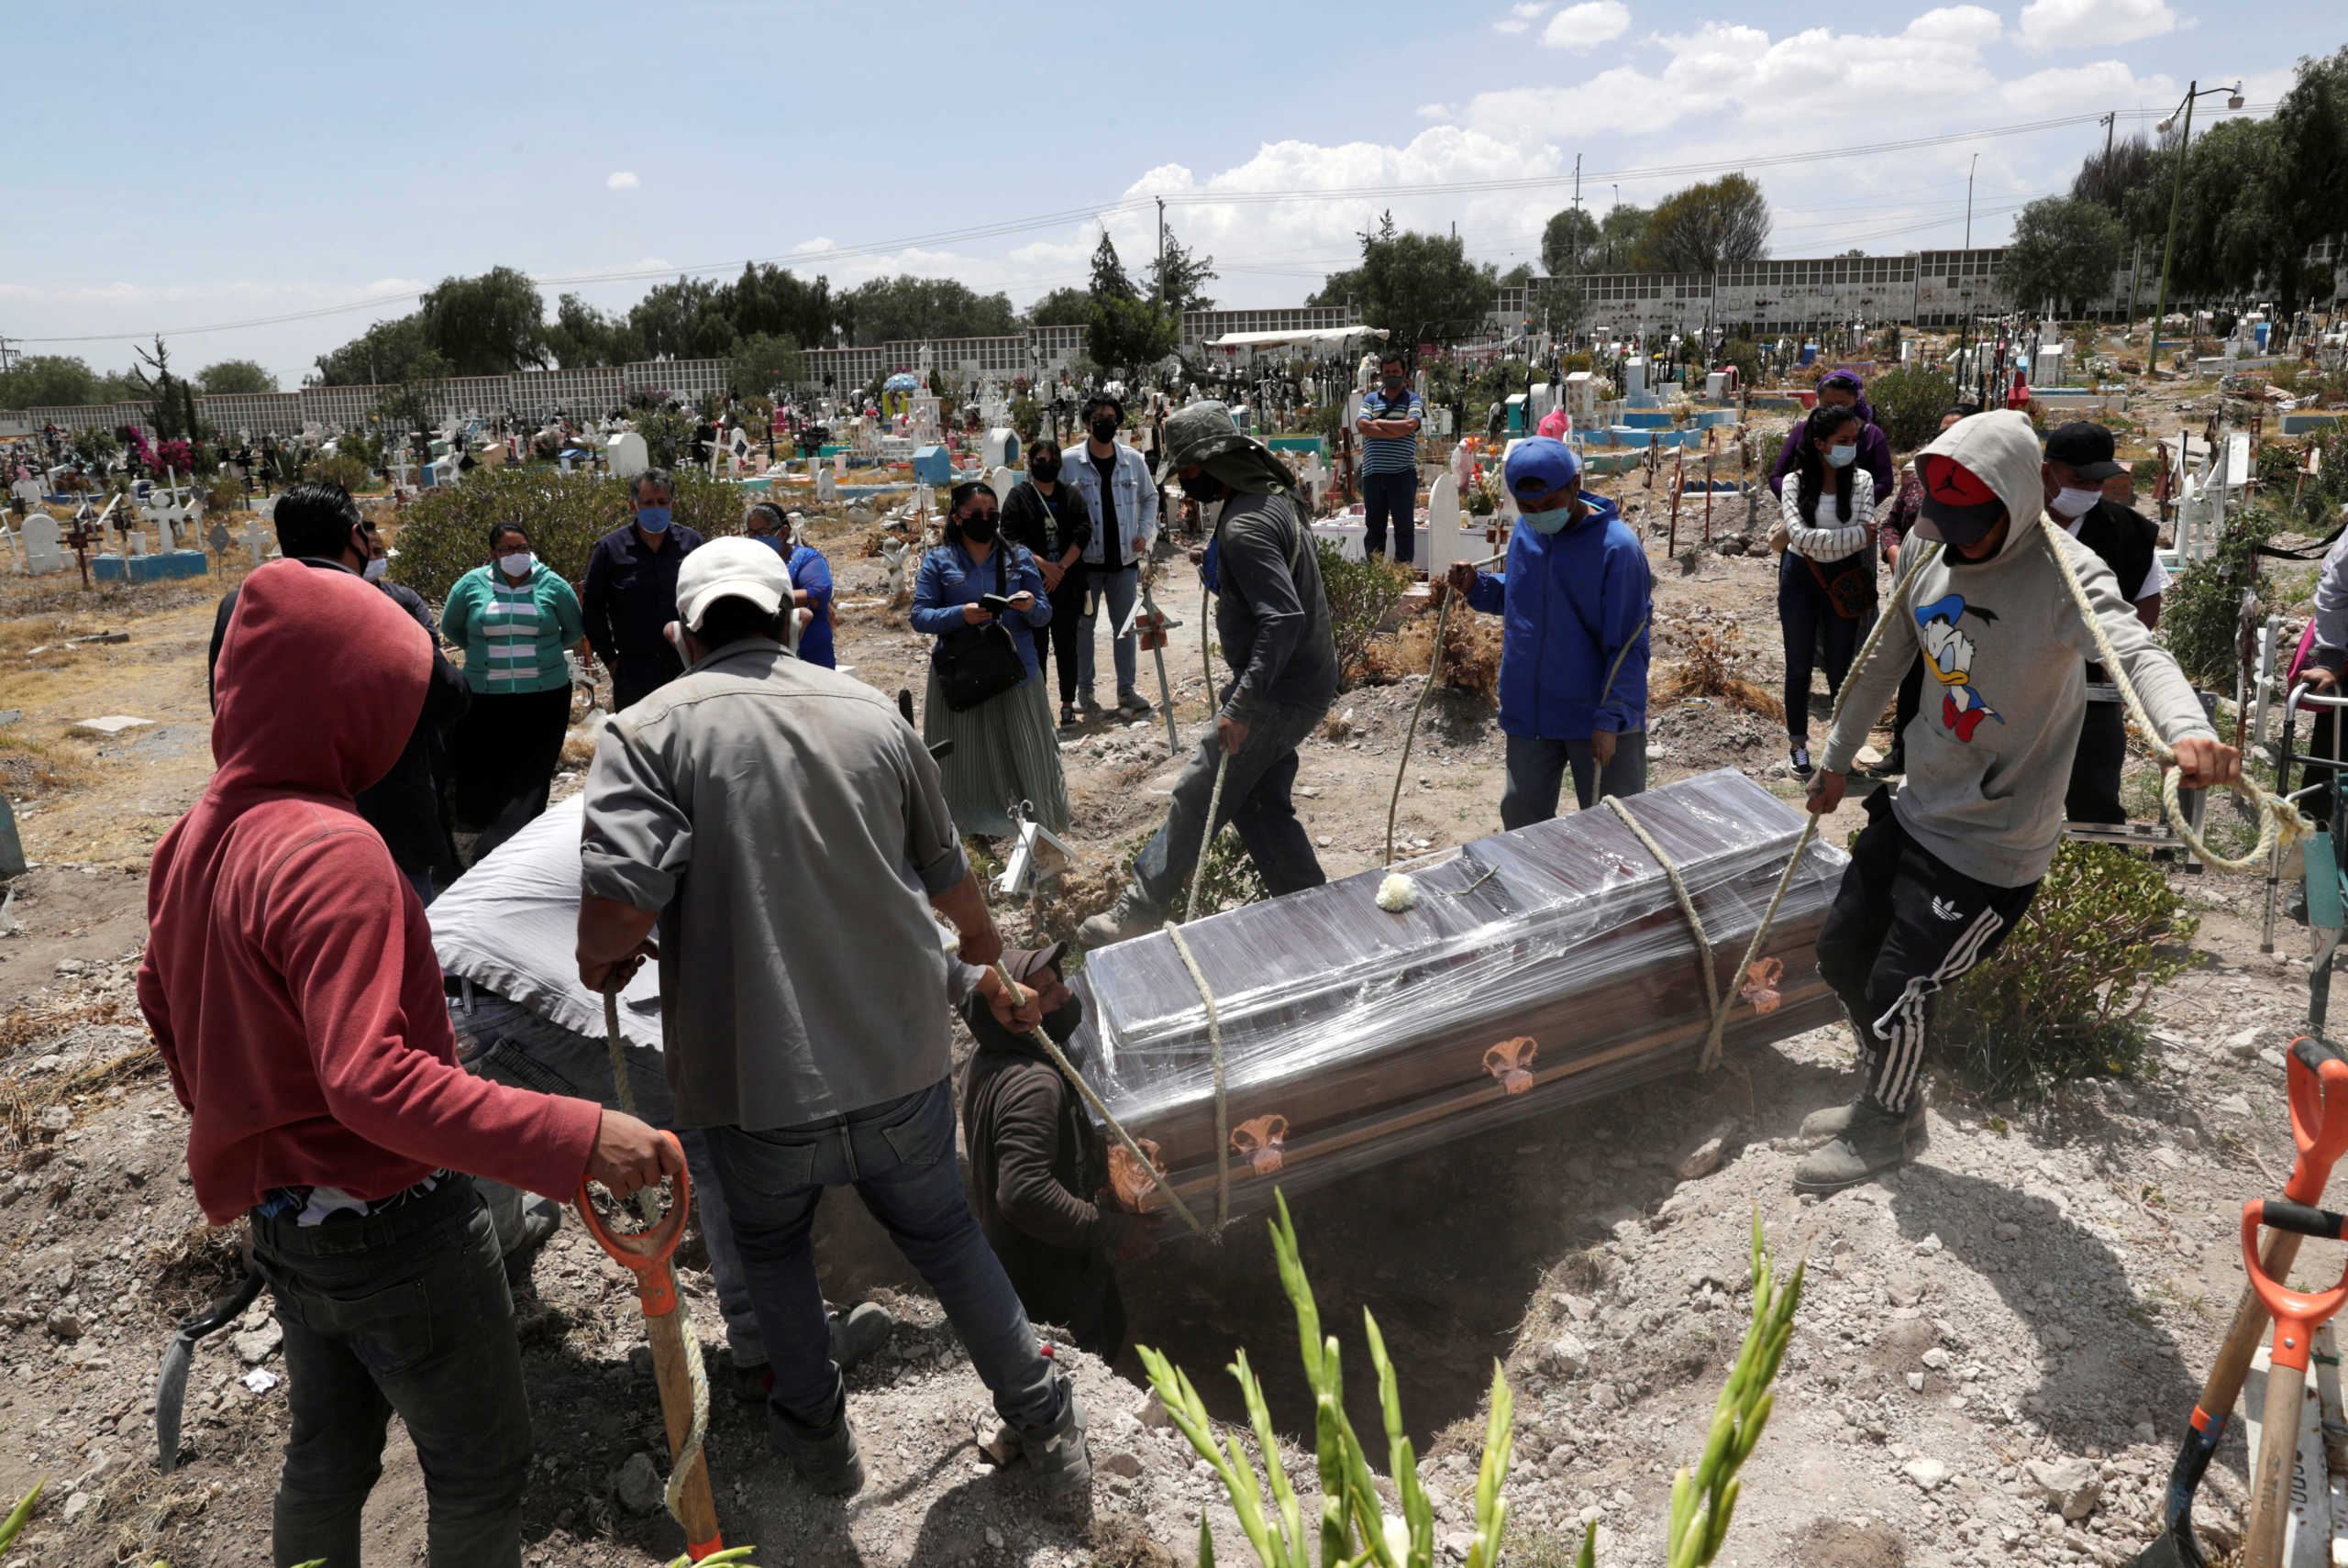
<point>1273,622</point>
<point>1941,873</point>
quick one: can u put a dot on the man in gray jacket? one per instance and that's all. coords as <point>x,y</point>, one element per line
<point>1941,873</point>
<point>1273,622</point>
<point>788,832</point>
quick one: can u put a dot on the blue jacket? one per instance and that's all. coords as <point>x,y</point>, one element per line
<point>950,579</point>
<point>813,575</point>
<point>1133,489</point>
<point>1569,601</point>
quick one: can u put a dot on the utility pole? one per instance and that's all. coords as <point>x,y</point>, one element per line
<point>2108,120</point>
<point>1161,253</point>
<point>2168,250</point>
<point>1964,263</point>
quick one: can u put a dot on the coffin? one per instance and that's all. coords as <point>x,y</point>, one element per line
<point>1540,969</point>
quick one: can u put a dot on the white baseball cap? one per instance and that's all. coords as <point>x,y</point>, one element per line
<point>730,569</point>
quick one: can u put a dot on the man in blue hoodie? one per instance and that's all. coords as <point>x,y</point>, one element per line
<point>1576,599</point>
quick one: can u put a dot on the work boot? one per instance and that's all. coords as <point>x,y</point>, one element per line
<point>1873,1141</point>
<point>825,1457</point>
<point>1087,707</point>
<point>858,1331</point>
<point>1835,1120</point>
<point>1063,1463</point>
<point>1134,705</point>
<point>1131,915</point>
<point>541,1218</point>
<point>1892,765</point>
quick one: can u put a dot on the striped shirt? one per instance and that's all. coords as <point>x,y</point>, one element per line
<point>514,638</point>
<point>509,625</point>
<point>1389,453</point>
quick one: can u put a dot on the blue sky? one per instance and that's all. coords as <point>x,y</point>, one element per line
<point>204,167</point>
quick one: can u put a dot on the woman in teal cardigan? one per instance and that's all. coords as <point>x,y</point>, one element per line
<point>513,618</point>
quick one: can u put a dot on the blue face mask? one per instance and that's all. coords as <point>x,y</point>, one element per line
<point>1547,522</point>
<point>652,519</point>
<point>1841,456</point>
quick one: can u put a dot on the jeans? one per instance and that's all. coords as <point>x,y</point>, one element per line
<point>1385,496</point>
<point>533,1053</point>
<point>1255,801</point>
<point>506,749</point>
<point>1805,611</point>
<point>401,1311</point>
<point>1069,632</point>
<point>1121,588</point>
<point>1537,768</point>
<point>899,1155</point>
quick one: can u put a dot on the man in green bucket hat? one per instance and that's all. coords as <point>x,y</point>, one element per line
<point>1272,620</point>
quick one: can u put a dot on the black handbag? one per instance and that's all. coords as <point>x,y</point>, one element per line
<point>977,664</point>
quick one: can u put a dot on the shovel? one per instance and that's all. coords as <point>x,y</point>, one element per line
<point>676,1357</point>
<point>170,1385</point>
<point>2297,1316</point>
<point>2318,1079</point>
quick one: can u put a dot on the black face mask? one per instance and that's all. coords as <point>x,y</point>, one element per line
<point>1104,429</point>
<point>1045,469</point>
<point>980,528</point>
<point>1204,486</point>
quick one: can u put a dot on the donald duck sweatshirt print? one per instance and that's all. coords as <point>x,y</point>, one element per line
<point>2005,652</point>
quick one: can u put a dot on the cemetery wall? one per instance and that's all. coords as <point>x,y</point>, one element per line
<point>1047,349</point>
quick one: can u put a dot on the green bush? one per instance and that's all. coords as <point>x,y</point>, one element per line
<point>1360,595</point>
<point>444,533</point>
<point>351,473</point>
<point>2201,608</point>
<point>1909,402</point>
<point>2065,998</point>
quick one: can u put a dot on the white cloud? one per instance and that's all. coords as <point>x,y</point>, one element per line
<point>813,246</point>
<point>1957,25</point>
<point>1587,25</point>
<point>1521,18</point>
<point>2104,82</point>
<point>622,181</point>
<point>1433,111</point>
<point>2069,24</point>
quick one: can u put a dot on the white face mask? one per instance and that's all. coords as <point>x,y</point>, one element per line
<point>2072,501</point>
<point>1841,456</point>
<point>516,565</point>
<point>377,568</point>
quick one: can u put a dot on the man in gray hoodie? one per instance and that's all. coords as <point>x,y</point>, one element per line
<point>1942,871</point>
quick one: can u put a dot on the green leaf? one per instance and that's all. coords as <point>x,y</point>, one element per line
<point>1206,1542</point>
<point>14,1525</point>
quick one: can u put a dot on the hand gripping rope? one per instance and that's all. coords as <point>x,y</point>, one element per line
<point>676,1351</point>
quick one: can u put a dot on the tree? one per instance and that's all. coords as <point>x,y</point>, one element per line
<point>2062,251</point>
<point>235,376</point>
<point>769,300</point>
<point>1619,235</point>
<point>1127,333</point>
<point>2307,176</point>
<point>765,361</point>
<point>58,381</point>
<point>2108,178</point>
<point>1418,286</point>
<point>683,320</point>
<point>381,355</point>
<point>910,309</point>
<point>580,334</point>
<point>1568,242</point>
<point>1109,280</point>
<point>486,325</point>
<point>1061,307</point>
<point>171,402</point>
<point>1711,225</point>
<point>1174,280</point>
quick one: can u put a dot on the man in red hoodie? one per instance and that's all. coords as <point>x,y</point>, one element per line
<point>291,989</point>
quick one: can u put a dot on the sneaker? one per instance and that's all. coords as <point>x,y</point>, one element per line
<point>1088,707</point>
<point>1129,917</point>
<point>1872,1142</point>
<point>1133,704</point>
<point>1834,1121</point>
<point>826,1458</point>
<point>1801,762</point>
<point>857,1332</point>
<point>541,1218</point>
<point>1062,1463</point>
<point>1067,716</point>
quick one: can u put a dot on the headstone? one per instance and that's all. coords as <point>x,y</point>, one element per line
<point>258,540</point>
<point>1635,376</point>
<point>628,455</point>
<point>1442,525</point>
<point>1002,446</point>
<point>43,553</point>
<point>1001,480</point>
<point>827,483</point>
<point>1581,395</point>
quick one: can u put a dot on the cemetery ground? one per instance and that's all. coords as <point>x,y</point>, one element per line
<point>1992,1364</point>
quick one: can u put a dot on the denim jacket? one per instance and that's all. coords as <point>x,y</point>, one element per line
<point>950,579</point>
<point>1136,494</point>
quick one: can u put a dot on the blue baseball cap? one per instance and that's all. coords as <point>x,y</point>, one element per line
<point>1540,465</point>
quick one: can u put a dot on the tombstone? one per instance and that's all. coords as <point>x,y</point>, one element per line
<point>259,540</point>
<point>1635,377</point>
<point>1001,480</point>
<point>28,491</point>
<point>43,552</point>
<point>219,538</point>
<point>1442,525</point>
<point>1001,447</point>
<point>1581,396</point>
<point>932,465</point>
<point>628,455</point>
<point>827,483</point>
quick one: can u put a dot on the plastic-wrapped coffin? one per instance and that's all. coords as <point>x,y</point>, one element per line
<point>1538,969</point>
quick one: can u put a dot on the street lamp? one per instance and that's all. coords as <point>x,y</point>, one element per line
<point>2176,195</point>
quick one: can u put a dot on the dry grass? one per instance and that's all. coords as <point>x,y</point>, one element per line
<point>1471,654</point>
<point>31,768</point>
<point>1708,658</point>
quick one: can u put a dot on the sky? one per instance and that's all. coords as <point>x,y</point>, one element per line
<point>219,169</point>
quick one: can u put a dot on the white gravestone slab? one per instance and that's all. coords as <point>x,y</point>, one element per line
<point>1442,525</point>
<point>1002,481</point>
<point>628,455</point>
<point>43,554</point>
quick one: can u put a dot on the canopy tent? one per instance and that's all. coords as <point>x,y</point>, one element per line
<point>1325,337</point>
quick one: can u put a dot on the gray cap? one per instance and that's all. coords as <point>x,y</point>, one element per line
<point>1194,434</point>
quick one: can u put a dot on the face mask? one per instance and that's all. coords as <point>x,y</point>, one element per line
<point>376,568</point>
<point>1045,469</point>
<point>652,519</point>
<point>1841,456</point>
<point>1104,429</point>
<point>979,528</point>
<point>772,541</point>
<point>1547,522</point>
<point>2073,502</point>
<point>516,564</point>
<point>1204,487</point>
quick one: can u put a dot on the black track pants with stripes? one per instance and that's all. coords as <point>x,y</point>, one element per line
<point>1905,926</point>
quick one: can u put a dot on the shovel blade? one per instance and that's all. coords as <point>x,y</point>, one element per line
<point>2171,1550</point>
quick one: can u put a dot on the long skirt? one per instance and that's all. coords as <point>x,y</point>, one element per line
<point>1004,752</point>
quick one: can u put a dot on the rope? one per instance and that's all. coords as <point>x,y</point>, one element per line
<point>1221,1107</point>
<point>1206,838</point>
<point>1687,904</point>
<point>690,1450</point>
<point>2280,823</point>
<point>1068,1069</point>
